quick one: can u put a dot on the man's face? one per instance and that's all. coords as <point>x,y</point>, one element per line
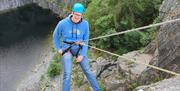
<point>76,17</point>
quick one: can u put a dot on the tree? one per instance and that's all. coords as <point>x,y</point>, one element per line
<point>111,16</point>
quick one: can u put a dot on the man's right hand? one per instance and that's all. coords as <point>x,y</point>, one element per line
<point>60,51</point>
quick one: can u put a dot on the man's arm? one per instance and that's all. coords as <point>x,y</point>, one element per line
<point>85,39</point>
<point>56,37</point>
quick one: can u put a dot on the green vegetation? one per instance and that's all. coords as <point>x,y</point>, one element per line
<point>133,85</point>
<point>55,66</point>
<point>77,74</point>
<point>86,87</point>
<point>102,86</point>
<point>112,16</point>
<point>44,82</point>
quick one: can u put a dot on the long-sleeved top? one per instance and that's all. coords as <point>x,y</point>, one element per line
<point>67,30</point>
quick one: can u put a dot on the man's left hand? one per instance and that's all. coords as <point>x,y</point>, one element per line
<point>79,58</point>
<point>77,43</point>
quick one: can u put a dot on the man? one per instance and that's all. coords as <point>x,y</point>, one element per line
<point>73,30</point>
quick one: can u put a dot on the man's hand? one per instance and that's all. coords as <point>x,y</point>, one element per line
<point>79,58</point>
<point>60,51</point>
<point>77,43</point>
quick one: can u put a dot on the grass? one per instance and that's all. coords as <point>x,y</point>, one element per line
<point>55,66</point>
<point>102,86</point>
<point>44,82</point>
<point>86,88</point>
<point>77,74</point>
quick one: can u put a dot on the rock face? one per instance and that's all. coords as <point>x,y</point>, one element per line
<point>57,6</point>
<point>54,5</point>
<point>48,4</point>
<point>134,69</point>
<point>9,4</point>
<point>169,34</point>
<point>117,75</point>
<point>22,61</point>
<point>168,51</point>
<point>172,84</point>
<point>166,54</point>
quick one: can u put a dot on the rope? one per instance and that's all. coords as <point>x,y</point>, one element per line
<point>136,29</point>
<point>131,30</point>
<point>152,66</point>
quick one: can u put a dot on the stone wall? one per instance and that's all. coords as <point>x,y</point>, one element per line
<point>57,6</point>
<point>9,4</point>
<point>48,4</point>
<point>169,34</point>
<point>171,84</point>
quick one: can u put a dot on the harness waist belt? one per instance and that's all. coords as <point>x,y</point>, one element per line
<point>69,48</point>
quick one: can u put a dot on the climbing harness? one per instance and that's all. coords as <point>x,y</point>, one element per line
<point>71,44</point>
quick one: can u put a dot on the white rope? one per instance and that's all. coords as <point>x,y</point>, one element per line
<point>152,66</point>
<point>136,29</point>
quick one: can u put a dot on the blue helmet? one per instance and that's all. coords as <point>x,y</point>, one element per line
<point>78,7</point>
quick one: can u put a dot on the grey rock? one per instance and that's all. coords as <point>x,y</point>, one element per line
<point>151,47</point>
<point>108,71</point>
<point>57,6</point>
<point>133,68</point>
<point>172,84</point>
<point>167,54</point>
<point>103,67</point>
<point>169,34</point>
<point>10,4</point>
<point>116,75</point>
